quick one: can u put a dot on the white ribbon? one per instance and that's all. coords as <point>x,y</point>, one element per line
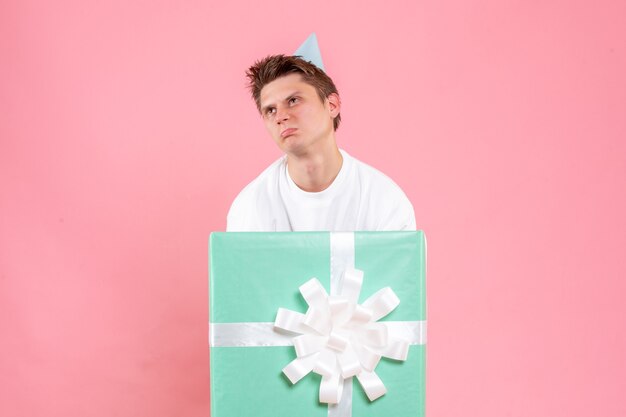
<point>337,338</point>
<point>340,338</point>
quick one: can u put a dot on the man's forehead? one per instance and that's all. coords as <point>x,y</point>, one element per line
<point>283,87</point>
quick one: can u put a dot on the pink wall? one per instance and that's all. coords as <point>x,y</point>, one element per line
<point>125,133</point>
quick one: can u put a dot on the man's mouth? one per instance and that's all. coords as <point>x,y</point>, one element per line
<point>287,132</point>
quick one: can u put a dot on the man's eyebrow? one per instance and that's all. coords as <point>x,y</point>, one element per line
<point>296,93</point>
<point>265,108</point>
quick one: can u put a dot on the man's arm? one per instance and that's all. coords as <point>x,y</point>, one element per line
<point>401,216</point>
<point>242,214</point>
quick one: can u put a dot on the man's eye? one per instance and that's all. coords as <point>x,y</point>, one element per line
<point>293,100</point>
<point>270,111</point>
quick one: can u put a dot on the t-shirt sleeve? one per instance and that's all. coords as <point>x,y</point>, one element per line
<point>400,214</point>
<point>242,214</point>
<point>252,209</point>
<point>389,207</point>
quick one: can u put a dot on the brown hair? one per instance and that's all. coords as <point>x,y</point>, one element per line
<point>268,69</point>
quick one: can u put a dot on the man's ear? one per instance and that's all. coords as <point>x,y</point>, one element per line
<point>334,104</point>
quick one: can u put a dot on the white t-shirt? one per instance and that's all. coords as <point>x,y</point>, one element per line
<point>360,198</point>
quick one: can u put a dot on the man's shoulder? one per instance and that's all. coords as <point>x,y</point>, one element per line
<point>375,180</point>
<point>387,204</point>
<point>244,210</point>
<point>268,176</point>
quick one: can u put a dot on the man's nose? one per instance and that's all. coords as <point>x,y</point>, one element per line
<point>282,114</point>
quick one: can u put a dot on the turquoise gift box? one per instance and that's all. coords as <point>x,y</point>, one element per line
<point>254,274</point>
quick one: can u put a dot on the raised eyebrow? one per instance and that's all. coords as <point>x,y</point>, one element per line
<point>292,95</point>
<point>265,108</point>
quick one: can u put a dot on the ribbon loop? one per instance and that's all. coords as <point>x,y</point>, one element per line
<point>396,349</point>
<point>308,343</point>
<point>340,339</point>
<point>300,367</point>
<point>381,303</point>
<point>289,320</point>
<point>374,334</point>
<point>349,362</point>
<point>314,294</point>
<point>318,319</point>
<point>340,310</point>
<point>337,342</point>
<point>331,389</point>
<point>360,316</point>
<point>350,285</point>
<point>372,385</point>
<point>326,363</point>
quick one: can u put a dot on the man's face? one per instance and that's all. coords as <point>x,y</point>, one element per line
<point>295,116</point>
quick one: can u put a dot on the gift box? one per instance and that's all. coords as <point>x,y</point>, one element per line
<point>253,275</point>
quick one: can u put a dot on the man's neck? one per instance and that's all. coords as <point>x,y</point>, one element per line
<point>315,172</point>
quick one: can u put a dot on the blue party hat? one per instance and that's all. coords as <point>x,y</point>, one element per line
<point>310,51</point>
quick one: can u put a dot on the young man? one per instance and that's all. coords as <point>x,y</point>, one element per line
<point>315,186</point>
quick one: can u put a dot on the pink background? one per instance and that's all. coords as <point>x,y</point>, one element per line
<point>126,132</point>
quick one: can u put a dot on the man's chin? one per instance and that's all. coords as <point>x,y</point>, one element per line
<point>292,144</point>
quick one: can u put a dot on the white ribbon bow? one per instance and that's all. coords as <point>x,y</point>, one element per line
<point>340,338</point>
